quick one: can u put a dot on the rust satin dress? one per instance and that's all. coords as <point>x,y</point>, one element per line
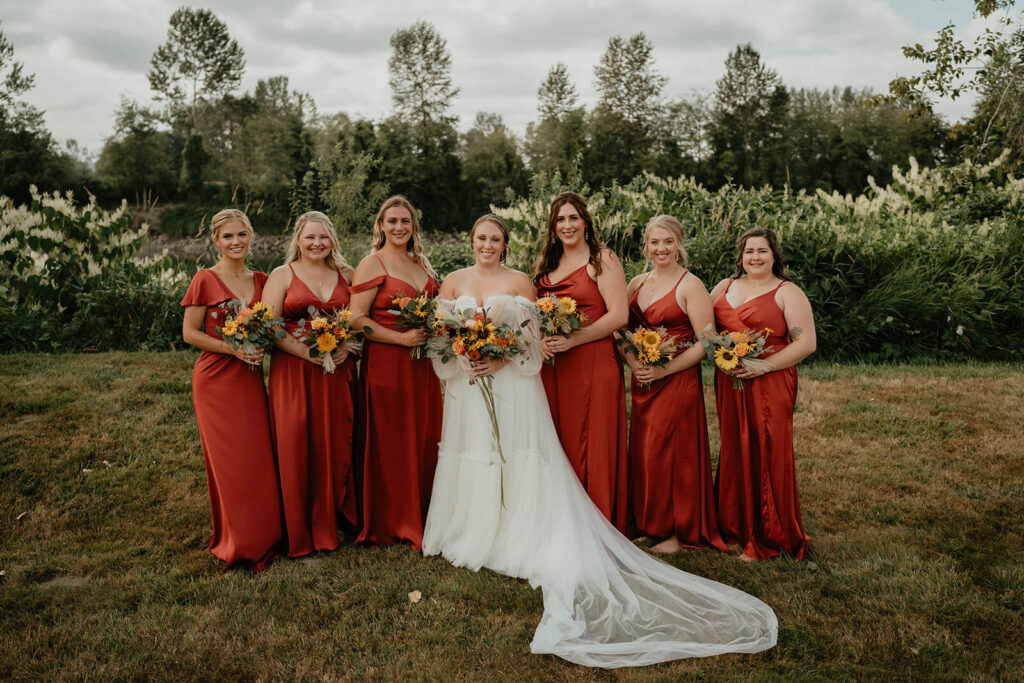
<point>231,410</point>
<point>670,476</point>
<point>402,427</point>
<point>755,488</point>
<point>312,415</point>
<point>587,397</point>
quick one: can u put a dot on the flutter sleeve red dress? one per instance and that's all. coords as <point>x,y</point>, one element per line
<point>670,475</point>
<point>755,488</point>
<point>231,410</point>
<point>312,414</point>
<point>587,397</point>
<point>403,427</point>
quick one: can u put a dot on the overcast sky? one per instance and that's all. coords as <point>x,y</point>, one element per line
<point>85,55</point>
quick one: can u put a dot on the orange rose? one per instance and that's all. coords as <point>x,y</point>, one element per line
<point>741,349</point>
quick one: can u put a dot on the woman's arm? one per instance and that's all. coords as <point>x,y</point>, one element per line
<point>624,352</point>
<point>800,322</point>
<point>193,333</point>
<point>362,302</point>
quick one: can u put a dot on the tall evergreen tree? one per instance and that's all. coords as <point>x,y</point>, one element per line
<point>420,75</point>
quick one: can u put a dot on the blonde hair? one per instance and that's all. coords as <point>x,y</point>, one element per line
<point>414,247</point>
<point>334,260</point>
<point>502,225</point>
<point>675,228</point>
<point>226,216</point>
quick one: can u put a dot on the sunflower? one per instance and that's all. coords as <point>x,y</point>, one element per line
<point>726,359</point>
<point>566,305</point>
<point>326,342</point>
<point>651,339</point>
<point>344,315</point>
<point>230,328</point>
<point>652,355</point>
<point>546,304</point>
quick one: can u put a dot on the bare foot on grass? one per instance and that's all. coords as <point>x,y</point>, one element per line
<point>668,546</point>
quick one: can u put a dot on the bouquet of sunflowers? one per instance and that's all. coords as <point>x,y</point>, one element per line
<point>470,335</point>
<point>559,316</point>
<point>414,312</point>
<point>650,347</point>
<point>325,334</point>
<point>728,349</point>
<point>248,328</point>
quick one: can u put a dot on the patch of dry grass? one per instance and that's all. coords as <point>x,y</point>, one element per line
<point>912,489</point>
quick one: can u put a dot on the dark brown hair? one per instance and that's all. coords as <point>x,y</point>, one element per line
<point>778,263</point>
<point>502,225</point>
<point>552,251</point>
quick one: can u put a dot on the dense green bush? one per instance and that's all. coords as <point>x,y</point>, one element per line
<point>69,280</point>
<point>930,266</point>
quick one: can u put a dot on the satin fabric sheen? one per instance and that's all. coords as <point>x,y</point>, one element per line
<point>403,427</point>
<point>231,410</point>
<point>312,418</point>
<point>587,397</point>
<point>670,476</point>
<point>755,488</point>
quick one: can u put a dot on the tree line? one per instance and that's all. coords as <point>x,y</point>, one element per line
<point>204,142</point>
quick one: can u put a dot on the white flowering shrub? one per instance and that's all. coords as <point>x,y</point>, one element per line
<point>932,265</point>
<point>69,279</point>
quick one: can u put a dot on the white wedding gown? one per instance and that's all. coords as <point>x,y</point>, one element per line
<point>606,602</point>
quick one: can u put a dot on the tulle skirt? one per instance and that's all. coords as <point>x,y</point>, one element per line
<point>606,602</point>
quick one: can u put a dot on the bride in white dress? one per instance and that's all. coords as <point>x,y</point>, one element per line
<point>606,602</point>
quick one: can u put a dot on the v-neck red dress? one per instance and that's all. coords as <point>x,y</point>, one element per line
<point>587,397</point>
<point>402,427</point>
<point>755,488</point>
<point>670,476</point>
<point>231,410</point>
<point>312,414</point>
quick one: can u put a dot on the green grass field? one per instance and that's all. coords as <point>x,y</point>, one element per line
<point>912,489</point>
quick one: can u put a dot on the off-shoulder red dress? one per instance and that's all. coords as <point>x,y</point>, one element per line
<point>231,410</point>
<point>755,487</point>
<point>587,397</point>
<point>670,476</point>
<point>403,427</point>
<point>312,414</point>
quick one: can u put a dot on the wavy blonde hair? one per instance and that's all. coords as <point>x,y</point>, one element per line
<point>334,260</point>
<point>226,216</point>
<point>414,247</point>
<point>675,228</point>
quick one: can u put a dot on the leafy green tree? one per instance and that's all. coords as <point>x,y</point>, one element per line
<point>991,68</point>
<point>138,159</point>
<point>682,146</point>
<point>559,136</point>
<point>491,163</point>
<point>749,108</point>
<point>623,125</point>
<point>420,75</point>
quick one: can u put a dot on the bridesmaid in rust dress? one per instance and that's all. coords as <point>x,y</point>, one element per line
<point>312,412</point>
<point>584,386</point>
<point>670,477</point>
<point>403,396</point>
<point>755,489</point>
<point>231,405</point>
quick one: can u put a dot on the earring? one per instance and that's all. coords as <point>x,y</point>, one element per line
<point>586,234</point>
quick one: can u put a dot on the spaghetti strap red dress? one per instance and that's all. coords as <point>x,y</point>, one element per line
<point>587,397</point>
<point>231,410</point>
<point>755,488</point>
<point>670,476</point>
<point>402,427</point>
<point>312,414</point>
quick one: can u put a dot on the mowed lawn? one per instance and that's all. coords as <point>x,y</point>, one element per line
<point>912,489</point>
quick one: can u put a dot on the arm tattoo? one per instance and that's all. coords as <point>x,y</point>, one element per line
<point>795,333</point>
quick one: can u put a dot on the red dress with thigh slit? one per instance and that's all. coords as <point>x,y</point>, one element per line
<point>670,475</point>
<point>402,427</point>
<point>231,410</point>
<point>312,414</point>
<point>587,397</point>
<point>755,488</point>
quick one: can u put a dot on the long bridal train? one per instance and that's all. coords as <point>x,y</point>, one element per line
<point>606,602</point>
